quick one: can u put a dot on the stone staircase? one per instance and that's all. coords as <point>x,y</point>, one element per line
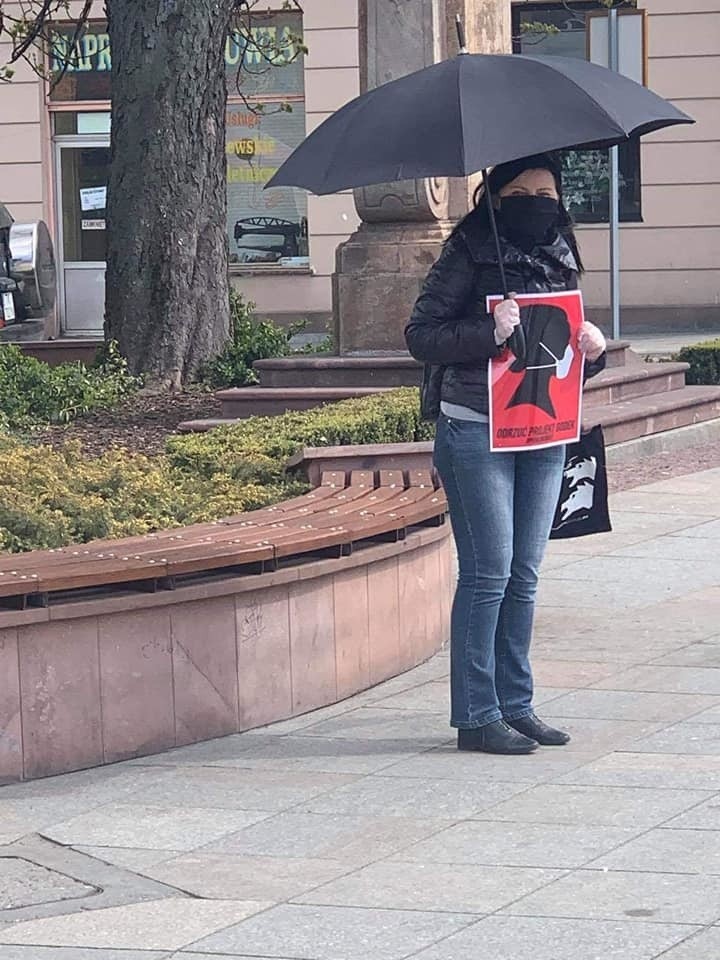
<point>631,399</point>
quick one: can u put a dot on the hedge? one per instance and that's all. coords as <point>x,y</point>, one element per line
<point>33,393</point>
<point>704,360</point>
<point>52,498</point>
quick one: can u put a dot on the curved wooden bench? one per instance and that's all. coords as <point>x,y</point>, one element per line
<point>341,514</point>
<point>119,649</point>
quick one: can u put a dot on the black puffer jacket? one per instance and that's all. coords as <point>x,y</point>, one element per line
<point>450,330</point>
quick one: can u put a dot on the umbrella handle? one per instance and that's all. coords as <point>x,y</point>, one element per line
<point>517,341</point>
<point>461,33</point>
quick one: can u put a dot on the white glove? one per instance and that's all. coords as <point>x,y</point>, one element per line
<point>507,317</point>
<point>591,341</point>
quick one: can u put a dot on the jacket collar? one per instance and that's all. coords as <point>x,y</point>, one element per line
<point>476,233</point>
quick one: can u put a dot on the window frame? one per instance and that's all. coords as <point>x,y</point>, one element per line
<point>631,148</point>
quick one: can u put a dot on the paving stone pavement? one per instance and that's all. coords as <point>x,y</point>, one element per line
<point>359,833</point>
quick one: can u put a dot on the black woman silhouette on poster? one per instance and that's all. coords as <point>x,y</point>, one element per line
<point>536,400</point>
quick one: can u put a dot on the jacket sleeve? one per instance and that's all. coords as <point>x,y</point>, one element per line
<point>592,369</point>
<point>446,326</point>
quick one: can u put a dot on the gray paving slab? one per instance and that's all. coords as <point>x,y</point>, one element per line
<point>704,816</point>
<point>704,945</point>
<point>353,839</point>
<point>510,938</point>
<point>678,548</point>
<point>154,828</point>
<point>631,705</point>
<point>380,796</point>
<point>571,674</point>
<point>434,697</point>
<point>665,679</point>
<point>161,925</point>
<point>708,716</point>
<point>704,653</point>
<point>710,530</point>
<point>661,770</point>
<point>8,952</point>
<point>419,730</point>
<point>329,933</point>
<point>110,886</point>
<point>135,860</point>
<point>24,884</point>
<point>667,851</point>
<point>446,763</point>
<point>702,739</point>
<point>616,895</point>
<point>392,844</point>
<point>592,735</point>
<point>229,789</point>
<point>610,806</point>
<point>226,877</point>
<point>321,755</point>
<point>456,887</point>
<point>550,845</point>
<point>687,506</point>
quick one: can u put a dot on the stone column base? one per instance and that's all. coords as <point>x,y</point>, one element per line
<point>379,274</point>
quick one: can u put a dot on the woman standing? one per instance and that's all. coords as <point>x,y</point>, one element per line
<point>501,504</point>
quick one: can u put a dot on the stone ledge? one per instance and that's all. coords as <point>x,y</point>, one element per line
<point>130,677</point>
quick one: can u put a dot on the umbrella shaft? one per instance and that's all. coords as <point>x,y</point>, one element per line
<point>496,236</point>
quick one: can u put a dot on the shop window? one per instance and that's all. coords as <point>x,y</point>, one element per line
<point>265,122</point>
<point>85,58</point>
<point>586,173</point>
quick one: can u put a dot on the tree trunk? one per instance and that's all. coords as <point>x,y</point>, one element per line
<point>167,264</point>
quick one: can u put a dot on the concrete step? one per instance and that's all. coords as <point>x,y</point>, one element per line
<point>657,413</point>
<point>267,401</point>
<point>633,381</point>
<point>396,371</point>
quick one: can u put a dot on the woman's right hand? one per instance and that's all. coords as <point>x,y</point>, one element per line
<point>507,317</point>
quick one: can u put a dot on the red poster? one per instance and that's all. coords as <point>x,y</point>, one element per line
<point>537,402</point>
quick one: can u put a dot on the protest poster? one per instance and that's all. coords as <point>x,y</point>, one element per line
<point>536,401</point>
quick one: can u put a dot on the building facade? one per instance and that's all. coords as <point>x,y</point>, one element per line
<point>54,156</point>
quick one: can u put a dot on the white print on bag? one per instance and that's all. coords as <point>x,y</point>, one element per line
<point>580,475</point>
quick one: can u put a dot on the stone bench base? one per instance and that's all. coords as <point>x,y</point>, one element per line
<point>98,681</point>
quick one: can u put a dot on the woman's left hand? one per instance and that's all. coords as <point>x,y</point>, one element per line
<point>591,341</point>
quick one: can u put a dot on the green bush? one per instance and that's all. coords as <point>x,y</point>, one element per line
<point>704,360</point>
<point>33,393</point>
<point>52,498</point>
<point>250,340</point>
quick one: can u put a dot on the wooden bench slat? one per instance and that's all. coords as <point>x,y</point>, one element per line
<point>420,478</point>
<point>333,478</point>
<point>362,478</point>
<point>334,515</point>
<point>392,478</point>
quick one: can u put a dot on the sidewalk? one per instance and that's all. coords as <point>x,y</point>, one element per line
<point>359,832</point>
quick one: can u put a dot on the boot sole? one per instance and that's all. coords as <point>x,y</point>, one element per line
<point>520,752</point>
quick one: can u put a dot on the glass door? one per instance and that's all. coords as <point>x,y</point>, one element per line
<point>82,169</point>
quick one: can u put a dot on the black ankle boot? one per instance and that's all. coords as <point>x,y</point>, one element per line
<point>495,738</point>
<point>532,726</point>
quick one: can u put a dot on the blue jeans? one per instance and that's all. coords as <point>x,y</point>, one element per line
<point>501,508</point>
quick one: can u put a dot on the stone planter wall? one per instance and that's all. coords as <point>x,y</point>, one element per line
<point>97,681</point>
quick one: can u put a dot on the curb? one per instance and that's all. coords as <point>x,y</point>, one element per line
<point>671,441</point>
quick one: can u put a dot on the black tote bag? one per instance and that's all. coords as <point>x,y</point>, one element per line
<point>583,505</point>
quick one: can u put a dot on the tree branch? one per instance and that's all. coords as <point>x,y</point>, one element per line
<point>30,34</point>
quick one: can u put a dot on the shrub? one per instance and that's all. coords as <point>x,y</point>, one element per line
<point>250,340</point>
<point>52,498</point>
<point>32,393</point>
<point>704,360</point>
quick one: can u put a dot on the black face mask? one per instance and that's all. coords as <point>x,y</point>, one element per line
<point>529,221</point>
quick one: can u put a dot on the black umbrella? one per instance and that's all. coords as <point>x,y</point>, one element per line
<point>470,113</point>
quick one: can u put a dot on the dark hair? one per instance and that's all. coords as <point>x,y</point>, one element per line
<point>505,173</point>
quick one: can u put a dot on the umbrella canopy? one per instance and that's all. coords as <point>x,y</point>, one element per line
<point>463,115</point>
